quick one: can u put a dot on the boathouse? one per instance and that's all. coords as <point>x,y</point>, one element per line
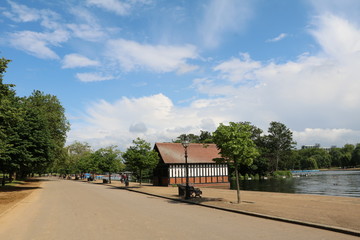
<point>203,170</point>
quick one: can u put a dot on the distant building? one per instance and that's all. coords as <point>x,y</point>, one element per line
<point>202,169</point>
<point>317,145</point>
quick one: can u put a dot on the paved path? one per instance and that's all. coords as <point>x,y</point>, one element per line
<point>77,210</point>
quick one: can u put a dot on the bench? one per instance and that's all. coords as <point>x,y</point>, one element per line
<point>193,192</point>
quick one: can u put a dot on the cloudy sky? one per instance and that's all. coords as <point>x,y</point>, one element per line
<point>156,69</point>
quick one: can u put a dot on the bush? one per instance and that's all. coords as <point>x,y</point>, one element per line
<point>282,174</point>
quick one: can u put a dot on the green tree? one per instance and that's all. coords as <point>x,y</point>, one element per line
<point>32,130</point>
<point>78,155</point>
<point>236,146</point>
<point>10,118</point>
<point>279,143</point>
<point>346,154</point>
<point>335,155</point>
<point>108,159</point>
<point>192,138</point>
<point>140,157</point>
<point>355,157</point>
<point>53,114</point>
<point>321,157</point>
<point>205,137</point>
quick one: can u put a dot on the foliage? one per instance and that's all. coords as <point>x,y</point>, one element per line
<point>108,160</point>
<point>140,157</point>
<point>355,157</point>
<point>204,137</point>
<point>279,143</point>
<point>282,174</point>
<point>236,146</point>
<point>32,130</point>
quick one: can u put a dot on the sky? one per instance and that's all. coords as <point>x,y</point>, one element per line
<point>155,69</point>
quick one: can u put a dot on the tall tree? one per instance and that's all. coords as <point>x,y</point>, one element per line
<point>205,137</point>
<point>192,138</point>
<point>355,157</point>
<point>346,154</point>
<point>140,157</point>
<point>279,143</point>
<point>236,146</point>
<point>77,157</point>
<point>53,114</point>
<point>108,159</point>
<point>10,117</point>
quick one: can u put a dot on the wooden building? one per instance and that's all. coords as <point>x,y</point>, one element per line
<point>203,170</point>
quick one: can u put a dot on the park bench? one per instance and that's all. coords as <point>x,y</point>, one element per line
<point>193,192</point>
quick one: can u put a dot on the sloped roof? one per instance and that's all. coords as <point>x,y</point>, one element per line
<point>197,152</point>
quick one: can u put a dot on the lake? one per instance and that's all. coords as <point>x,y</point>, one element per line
<point>334,183</point>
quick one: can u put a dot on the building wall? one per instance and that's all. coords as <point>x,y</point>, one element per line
<point>198,173</point>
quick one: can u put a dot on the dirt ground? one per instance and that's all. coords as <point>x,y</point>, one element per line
<point>11,195</point>
<point>340,212</point>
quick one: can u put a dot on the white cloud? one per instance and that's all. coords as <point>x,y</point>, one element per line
<point>87,32</point>
<point>154,118</point>
<point>77,60</point>
<point>22,13</point>
<point>159,58</point>
<point>119,7</point>
<point>222,17</point>
<point>237,70</point>
<point>93,77</point>
<point>337,36</point>
<point>38,44</point>
<point>327,137</point>
<point>278,38</point>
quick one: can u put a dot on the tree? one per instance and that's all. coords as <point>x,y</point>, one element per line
<point>355,157</point>
<point>313,158</point>
<point>236,146</point>
<point>279,143</point>
<point>140,157</point>
<point>108,160</point>
<point>205,137</point>
<point>53,114</point>
<point>10,117</point>
<point>192,138</point>
<point>78,155</point>
<point>335,155</point>
<point>346,154</point>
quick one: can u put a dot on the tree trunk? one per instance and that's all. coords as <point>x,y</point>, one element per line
<point>109,177</point>
<point>237,181</point>
<point>3,180</point>
<point>140,177</point>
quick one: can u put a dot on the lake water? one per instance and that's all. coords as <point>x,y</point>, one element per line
<point>334,183</point>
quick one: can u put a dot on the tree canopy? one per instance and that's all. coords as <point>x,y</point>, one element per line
<point>236,146</point>
<point>32,130</point>
<point>140,157</point>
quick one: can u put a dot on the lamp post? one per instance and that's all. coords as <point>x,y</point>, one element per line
<point>185,144</point>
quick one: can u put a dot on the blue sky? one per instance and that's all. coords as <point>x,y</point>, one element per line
<point>156,69</point>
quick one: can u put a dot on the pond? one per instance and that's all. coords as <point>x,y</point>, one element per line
<point>334,183</point>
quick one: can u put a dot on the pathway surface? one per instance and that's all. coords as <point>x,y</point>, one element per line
<point>76,210</point>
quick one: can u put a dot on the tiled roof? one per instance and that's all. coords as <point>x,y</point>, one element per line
<point>197,152</point>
